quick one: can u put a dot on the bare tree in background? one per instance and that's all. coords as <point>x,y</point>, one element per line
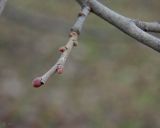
<point>2,5</point>
<point>132,27</point>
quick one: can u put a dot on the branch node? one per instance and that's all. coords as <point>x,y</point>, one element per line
<point>60,69</point>
<point>75,43</point>
<point>62,49</point>
<point>81,13</point>
<point>72,33</point>
<point>76,30</point>
<point>65,50</point>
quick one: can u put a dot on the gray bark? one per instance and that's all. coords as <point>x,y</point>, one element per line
<point>65,50</point>
<point>134,28</point>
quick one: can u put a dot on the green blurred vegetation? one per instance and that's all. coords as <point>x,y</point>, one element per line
<point>110,80</point>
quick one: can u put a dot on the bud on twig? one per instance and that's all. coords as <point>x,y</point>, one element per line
<point>60,69</point>
<point>37,82</point>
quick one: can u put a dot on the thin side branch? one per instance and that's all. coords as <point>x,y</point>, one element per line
<point>148,26</point>
<point>134,28</point>
<point>65,50</point>
<point>2,5</point>
<point>58,67</point>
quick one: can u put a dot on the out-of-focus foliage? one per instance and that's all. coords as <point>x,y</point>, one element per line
<point>110,80</point>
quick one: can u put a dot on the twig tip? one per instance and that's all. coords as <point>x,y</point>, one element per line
<point>37,82</point>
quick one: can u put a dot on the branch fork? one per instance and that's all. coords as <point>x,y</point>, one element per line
<point>134,28</point>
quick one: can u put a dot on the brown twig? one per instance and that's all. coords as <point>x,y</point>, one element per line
<point>65,50</point>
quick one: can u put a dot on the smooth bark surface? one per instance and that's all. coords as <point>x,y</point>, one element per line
<point>134,28</point>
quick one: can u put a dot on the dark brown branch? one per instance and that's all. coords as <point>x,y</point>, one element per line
<point>65,50</point>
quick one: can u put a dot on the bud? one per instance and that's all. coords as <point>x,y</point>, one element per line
<point>59,69</point>
<point>62,49</point>
<point>37,82</point>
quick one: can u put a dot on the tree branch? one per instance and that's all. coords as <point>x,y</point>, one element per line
<point>2,5</point>
<point>65,50</point>
<point>148,26</point>
<point>134,28</point>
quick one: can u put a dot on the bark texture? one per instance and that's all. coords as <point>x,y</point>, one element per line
<point>134,28</point>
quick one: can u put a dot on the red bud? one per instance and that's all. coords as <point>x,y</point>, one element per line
<point>37,82</point>
<point>59,69</point>
<point>62,49</point>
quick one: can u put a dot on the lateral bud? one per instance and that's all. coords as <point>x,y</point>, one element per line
<point>60,69</point>
<point>81,13</point>
<point>62,49</point>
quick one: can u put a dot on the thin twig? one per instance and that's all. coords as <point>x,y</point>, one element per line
<point>65,50</point>
<point>148,26</point>
<point>58,67</point>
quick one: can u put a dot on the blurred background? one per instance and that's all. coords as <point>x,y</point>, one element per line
<point>110,79</point>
